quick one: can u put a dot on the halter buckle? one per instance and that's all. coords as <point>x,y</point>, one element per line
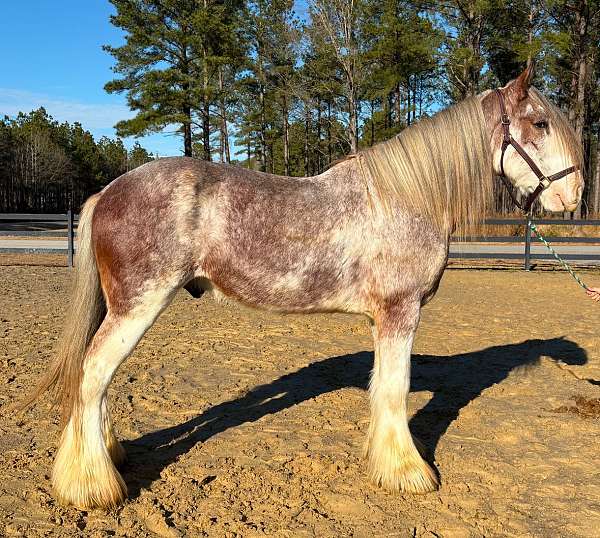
<point>505,119</point>
<point>545,182</point>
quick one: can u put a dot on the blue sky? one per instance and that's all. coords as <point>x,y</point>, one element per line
<point>52,57</point>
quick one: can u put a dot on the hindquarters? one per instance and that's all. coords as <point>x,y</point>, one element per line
<point>129,264</point>
<point>143,231</point>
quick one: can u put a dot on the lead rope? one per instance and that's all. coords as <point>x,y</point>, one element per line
<point>555,254</point>
<point>560,364</point>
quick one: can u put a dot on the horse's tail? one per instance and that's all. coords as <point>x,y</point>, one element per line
<point>87,310</point>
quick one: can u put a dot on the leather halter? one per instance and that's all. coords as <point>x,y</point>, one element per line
<point>508,140</point>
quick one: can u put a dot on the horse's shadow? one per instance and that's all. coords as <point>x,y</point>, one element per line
<point>455,381</point>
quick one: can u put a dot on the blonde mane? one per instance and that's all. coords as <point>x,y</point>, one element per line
<point>440,168</point>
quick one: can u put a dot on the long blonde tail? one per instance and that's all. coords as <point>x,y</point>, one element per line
<point>87,310</point>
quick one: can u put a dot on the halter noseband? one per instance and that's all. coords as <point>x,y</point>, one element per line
<point>508,140</point>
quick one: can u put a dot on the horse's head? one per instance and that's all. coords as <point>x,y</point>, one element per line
<point>544,133</point>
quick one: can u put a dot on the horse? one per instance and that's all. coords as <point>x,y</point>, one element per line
<point>368,236</point>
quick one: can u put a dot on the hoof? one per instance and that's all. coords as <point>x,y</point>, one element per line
<point>406,476</point>
<point>84,476</point>
<point>399,467</point>
<point>86,491</point>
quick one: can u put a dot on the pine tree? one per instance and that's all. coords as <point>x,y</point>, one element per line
<point>113,155</point>
<point>282,55</point>
<point>217,49</point>
<point>466,24</point>
<point>137,156</point>
<point>403,55</point>
<point>573,36</point>
<point>341,23</point>
<point>321,96</point>
<point>156,66</point>
<point>514,38</point>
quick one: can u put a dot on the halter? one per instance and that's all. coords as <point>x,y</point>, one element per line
<point>508,140</point>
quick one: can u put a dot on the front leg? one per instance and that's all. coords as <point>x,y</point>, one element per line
<point>393,459</point>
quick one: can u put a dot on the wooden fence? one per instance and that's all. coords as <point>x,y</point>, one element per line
<point>527,255</point>
<point>69,219</point>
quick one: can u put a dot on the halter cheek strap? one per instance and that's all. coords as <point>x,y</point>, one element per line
<point>508,140</point>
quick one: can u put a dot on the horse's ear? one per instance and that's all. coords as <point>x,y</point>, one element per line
<point>523,81</point>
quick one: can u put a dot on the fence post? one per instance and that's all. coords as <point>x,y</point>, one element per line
<point>528,244</point>
<point>71,237</point>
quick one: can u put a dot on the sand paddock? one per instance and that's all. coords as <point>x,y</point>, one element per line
<point>243,423</point>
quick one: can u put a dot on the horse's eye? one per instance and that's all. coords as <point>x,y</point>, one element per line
<point>542,124</point>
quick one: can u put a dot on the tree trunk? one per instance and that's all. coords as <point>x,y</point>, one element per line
<point>353,120</point>
<point>577,114</point>
<point>205,109</point>
<point>530,33</point>
<point>581,94</point>
<point>286,136</point>
<point>420,96</point>
<point>329,148</point>
<point>319,126</point>
<point>206,129</point>
<point>472,40</point>
<point>413,99</point>
<point>580,70</point>
<point>187,132</point>
<point>226,139</point>
<point>596,179</point>
<point>270,158</point>
<point>306,135</point>
<point>397,104</point>
<point>262,135</point>
<point>408,102</point>
<point>225,152</point>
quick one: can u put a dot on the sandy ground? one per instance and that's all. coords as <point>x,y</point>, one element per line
<point>242,423</point>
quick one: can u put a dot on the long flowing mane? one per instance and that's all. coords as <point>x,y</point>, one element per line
<point>440,168</point>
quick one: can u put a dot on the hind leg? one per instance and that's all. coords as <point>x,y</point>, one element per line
<point>84,474</point>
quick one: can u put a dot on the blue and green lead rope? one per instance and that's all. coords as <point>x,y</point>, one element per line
<point>554,253</point>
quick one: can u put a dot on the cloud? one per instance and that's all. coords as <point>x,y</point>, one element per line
<point>92,116</point>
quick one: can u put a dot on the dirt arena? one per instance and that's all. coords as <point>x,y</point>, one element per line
<point>242,423</point>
